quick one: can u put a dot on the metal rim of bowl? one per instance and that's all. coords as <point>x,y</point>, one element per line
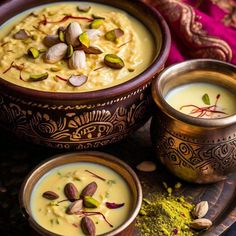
<point>170,111</point>
<point>114,91</point>
<point>108,157</point>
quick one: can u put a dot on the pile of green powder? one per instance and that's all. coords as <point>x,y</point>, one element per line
<point>165,215</point>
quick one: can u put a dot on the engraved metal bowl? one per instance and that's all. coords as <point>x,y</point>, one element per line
<point>194,149</point>
<point>125,229</point>
<point>88,119</point>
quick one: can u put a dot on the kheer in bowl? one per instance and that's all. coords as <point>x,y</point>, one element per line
<point>86,193</point>
<point>77,74</point>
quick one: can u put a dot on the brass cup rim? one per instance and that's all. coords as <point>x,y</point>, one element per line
<point>157,91</point>
<point>99,158</point>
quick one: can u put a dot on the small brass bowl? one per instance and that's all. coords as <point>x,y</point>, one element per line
<point>88,119</point>
<point>125,229</point>
<point>194,149</point>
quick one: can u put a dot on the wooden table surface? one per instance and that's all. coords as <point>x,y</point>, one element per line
<point>18,157</point>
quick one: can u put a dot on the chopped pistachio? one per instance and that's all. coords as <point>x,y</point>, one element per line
<point>96,24</point>
<point>169,190</point>
<point>57,221</point>
<point>38,77</point>
<point>114,34</point>
<point>98,17</point>
<point>113,61</point>
<point>206,99</point>
<point>34,37</point>
<point>111,181</point>
<point>165,184</point>
<point>55,69</point>
<point>146,201</point>
<point>131,70</point>
<point>90,202</point>
<point>178,185</point>
<point>27,41</point>
<point>142,212</point>
<point>51,13</point>
<point>61,36</point>
<point>42,50</point>
<point>83,8</point>
<point>84,39</point>
<point>77,80</point>
<point>33,52</point>
<point>70,51</point>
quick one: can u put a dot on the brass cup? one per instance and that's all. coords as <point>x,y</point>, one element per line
<point>125,229</point>
<point>194,149</point>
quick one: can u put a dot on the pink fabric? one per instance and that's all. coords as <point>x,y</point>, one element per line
<point>211,16</point>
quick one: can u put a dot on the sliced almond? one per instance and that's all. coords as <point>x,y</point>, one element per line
<point>78,60</point>
<point>78,80</point>
<point>73,30</point>
<point>55,53</point>
<point>146,166</point>
<point>21,34</point>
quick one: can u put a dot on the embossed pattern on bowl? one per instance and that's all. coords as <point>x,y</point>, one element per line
<point>194,149</point>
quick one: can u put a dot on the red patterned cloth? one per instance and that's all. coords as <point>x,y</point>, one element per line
<point>200,28</point>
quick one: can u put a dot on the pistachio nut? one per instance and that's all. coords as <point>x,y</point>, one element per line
<point>51,40</point>
<point>88,226</point>
<point>201,224</point>
<point>72,33</point>
<point>71,191</point>
<point>113,61</point>
<point>89,190</point>
<point>55,53</point>
<point>90,202</point>
<point>50,195</point>
<point>74,207</point>
<point>201,209</point>
<point>78,60</point>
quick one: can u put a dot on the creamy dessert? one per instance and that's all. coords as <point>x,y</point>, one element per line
<point>74,47</point>
<point>82,199</point>
<point>202,100</point>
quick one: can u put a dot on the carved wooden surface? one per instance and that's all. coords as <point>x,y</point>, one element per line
<point>18,157</point>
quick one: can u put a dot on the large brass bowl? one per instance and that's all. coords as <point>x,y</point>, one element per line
<point>89,119</point>
<point>195,149</point>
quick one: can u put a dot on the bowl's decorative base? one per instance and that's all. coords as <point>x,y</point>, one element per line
<point>76,126</point>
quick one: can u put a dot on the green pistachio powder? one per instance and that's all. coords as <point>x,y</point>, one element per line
<point>165,215</point>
